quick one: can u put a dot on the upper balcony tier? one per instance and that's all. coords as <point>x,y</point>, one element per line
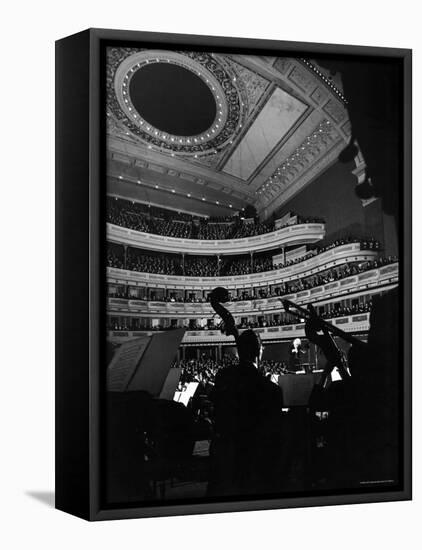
<point>350,252</point>
<point>306,233</point>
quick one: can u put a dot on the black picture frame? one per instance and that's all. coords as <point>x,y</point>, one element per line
<point>80,193</point>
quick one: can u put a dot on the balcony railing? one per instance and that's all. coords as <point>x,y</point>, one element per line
<point>335,256</point>
<point>381,277</point>
<point>354,323</point>
<point>306,233</point>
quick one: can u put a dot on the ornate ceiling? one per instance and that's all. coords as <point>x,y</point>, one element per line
<point>231,130</point>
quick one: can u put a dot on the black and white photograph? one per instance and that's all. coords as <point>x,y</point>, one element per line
<point>211,298</point>
<point>253,227</point>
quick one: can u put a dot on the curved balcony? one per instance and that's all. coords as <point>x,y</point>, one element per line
<point>306,233</point>
<point>384,277</point>
<point>350,252</point>
<point>354,323</point>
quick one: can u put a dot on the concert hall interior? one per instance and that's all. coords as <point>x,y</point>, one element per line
<point>275,178</point>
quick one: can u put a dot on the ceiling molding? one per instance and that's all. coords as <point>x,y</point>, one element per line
<point>276,199</point>
<point>254,80</point>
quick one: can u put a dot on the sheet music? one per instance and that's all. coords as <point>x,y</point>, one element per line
<point>143,364</point>
<point>123,365</point>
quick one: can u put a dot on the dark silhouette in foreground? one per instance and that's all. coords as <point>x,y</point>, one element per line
<point>247,449</point>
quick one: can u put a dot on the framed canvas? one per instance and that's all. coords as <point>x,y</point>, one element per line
<point>233,279</point>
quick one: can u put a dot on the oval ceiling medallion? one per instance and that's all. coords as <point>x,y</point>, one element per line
<point>180,103</point>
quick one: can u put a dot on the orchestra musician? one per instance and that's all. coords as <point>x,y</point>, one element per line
<point>246,450</point>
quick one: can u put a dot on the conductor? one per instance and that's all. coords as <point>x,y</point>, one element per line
<point>296,353</point>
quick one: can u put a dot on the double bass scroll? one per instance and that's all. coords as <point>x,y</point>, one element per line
<point>218,296</point>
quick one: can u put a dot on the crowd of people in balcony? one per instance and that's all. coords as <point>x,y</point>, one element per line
<point>286,319</point>
<point>150,219</point>
<point>288,287</point>
<point>277,320</point>
<point>151,263</point>
<point>201,266</point>
<point>213,266</point>
<point>329,276</point>
<point>356,309</point>
<point>367,243</point>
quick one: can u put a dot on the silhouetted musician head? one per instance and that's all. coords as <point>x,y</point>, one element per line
<point>249,347</point>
